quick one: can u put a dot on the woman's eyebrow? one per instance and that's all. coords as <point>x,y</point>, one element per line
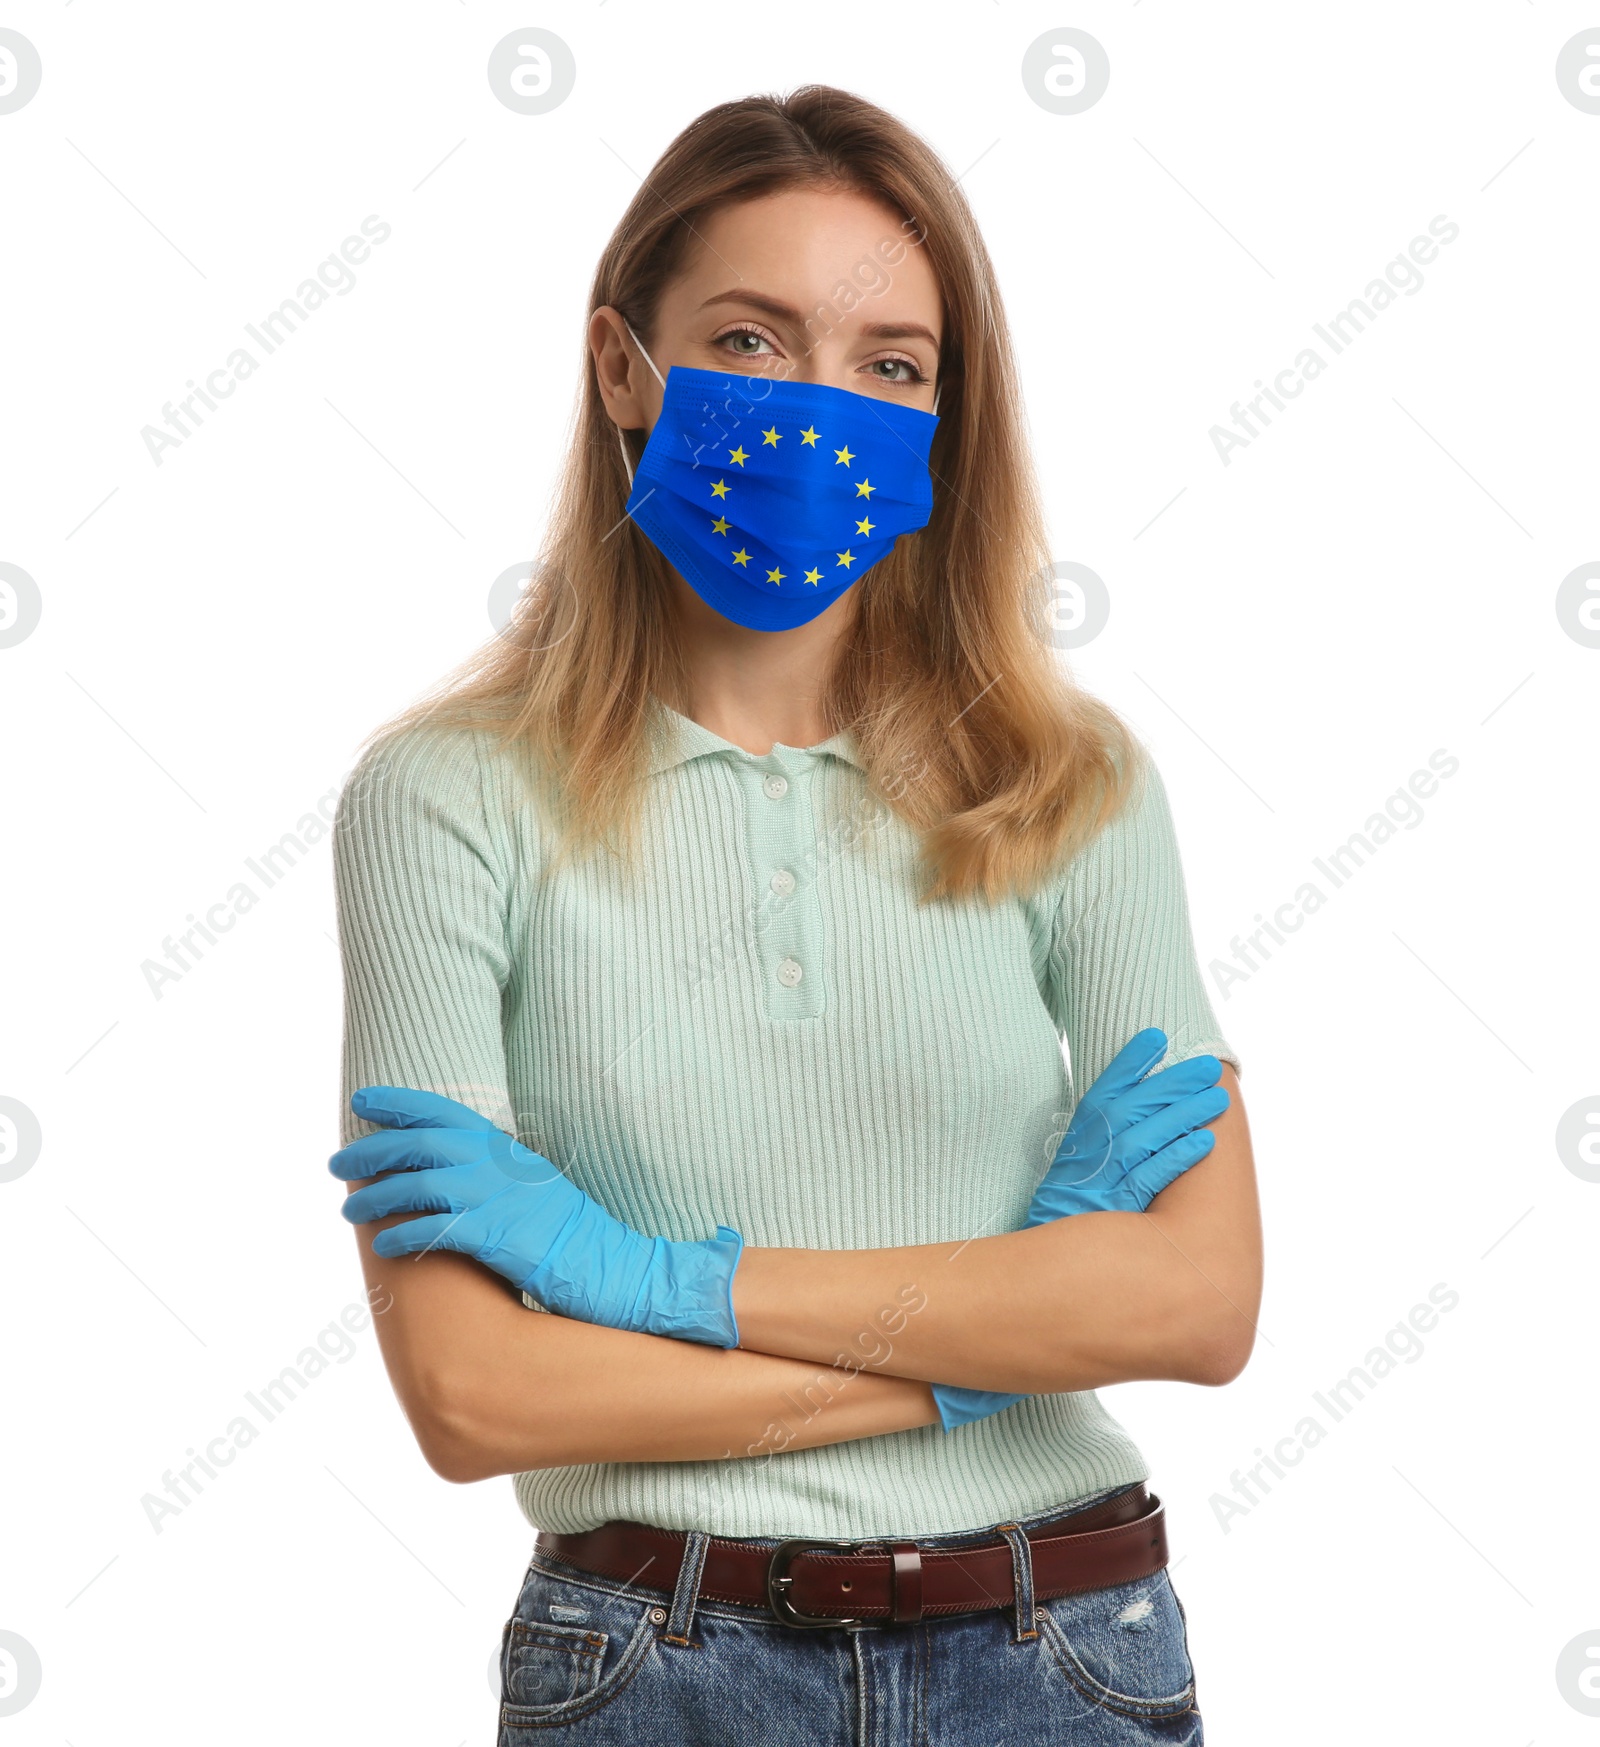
<point>758,300</point>
<point>898,330</point>
<point>782,311</point>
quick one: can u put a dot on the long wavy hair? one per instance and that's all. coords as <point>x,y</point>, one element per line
<point>945,672</point>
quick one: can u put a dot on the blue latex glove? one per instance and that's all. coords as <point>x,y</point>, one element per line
<point>1129,1137</point>
<point>508,1207</point>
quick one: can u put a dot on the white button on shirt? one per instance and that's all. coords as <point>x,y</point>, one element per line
<point>775,787</point>
<point>783,883</point>
<point>789,973</point>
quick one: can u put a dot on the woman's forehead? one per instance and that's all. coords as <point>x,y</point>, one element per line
<point>800,248</point>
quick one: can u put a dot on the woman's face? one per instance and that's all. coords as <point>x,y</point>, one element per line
<point>806,286</point>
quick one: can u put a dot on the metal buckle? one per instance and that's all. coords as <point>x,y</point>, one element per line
<point>778,1582</point>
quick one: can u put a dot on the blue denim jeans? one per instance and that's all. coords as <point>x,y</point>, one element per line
<point>593,1661</point>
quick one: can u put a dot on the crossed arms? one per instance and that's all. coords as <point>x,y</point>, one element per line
<point>836,1344</point>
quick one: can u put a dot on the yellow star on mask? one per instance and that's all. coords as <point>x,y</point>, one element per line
<point>720,489</point>
<point>774,576</point>
<point>809,437</point>
<point>771,438</point>
<point>863,526</point>
<point>738,455</point>
<point>813,577</point>
<point>741,556</point>
<point>865,489</point>
<point>847,559</point>
<point>720,525</point>
<point>845,457</point>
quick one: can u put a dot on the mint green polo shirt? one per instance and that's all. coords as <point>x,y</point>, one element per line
<point>759,1026</point>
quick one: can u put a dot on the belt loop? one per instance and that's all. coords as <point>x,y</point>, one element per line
<point>687,1591</point>
<point>1021,1579</point>
<point>905,1587</point>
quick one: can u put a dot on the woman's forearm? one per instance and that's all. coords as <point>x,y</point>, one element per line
<point>570,1392</point>
<point>1075,1304</point>
<point>1078,1303</point>
<point>493,1388</point>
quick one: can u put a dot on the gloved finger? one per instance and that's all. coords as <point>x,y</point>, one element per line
<point>1115,1100</point>
<point>1191,1075</point>
<point>1146,1181</point>
<point>1129,1065</point>
<point>1146,1138</point>
<point>421,1149</point>
<point>406,1192</point>
<point>407,1107</point>
<point>417,1149</point>
<point>1105,1114</point>
<point>441,1231</point>
<point>1097,1135</point>
<point>1162,1089</point>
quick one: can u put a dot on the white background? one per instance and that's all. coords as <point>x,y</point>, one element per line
<point>1293,633</point>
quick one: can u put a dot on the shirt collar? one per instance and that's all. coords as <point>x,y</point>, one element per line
<point>677,738</point>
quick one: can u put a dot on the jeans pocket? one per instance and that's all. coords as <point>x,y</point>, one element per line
<point>1124,1648</point>
<point>568,1650</point>
<point>550,1664</point>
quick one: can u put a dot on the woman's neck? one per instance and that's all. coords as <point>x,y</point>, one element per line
<point>758,688</point>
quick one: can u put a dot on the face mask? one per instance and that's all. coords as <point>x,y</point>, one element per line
<point>771,498</point>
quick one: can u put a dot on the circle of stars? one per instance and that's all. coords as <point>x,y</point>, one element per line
<point>770,439</point>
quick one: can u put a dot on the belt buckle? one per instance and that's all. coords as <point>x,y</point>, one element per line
<point>778,1582</point>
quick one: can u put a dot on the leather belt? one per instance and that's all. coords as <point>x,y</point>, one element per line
<point>821,1583</point>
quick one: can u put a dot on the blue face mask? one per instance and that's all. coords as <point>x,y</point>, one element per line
<point>771,498</point>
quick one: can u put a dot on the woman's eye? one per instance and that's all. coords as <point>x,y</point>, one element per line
<point>743,342</point>
<point>898,371</point>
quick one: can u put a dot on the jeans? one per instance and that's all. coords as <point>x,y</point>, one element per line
<point>587,1660</point>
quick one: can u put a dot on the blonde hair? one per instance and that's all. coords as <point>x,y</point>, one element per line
<point>944,672</point>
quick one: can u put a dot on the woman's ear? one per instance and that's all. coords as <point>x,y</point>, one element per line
<point>619,370</point>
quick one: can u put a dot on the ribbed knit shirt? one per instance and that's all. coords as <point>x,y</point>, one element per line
<point>759,1026</point>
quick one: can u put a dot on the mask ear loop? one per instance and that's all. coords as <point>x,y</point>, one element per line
<point>936,393</point>
<point>622,444</point>
<point>622,441</point>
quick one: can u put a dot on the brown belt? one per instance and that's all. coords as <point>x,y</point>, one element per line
<point>836,1583</point>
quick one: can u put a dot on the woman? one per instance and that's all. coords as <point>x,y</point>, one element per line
<point>754,896</point>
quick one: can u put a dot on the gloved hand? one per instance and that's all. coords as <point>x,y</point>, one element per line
<point>512,1209</point>
<point>1129,1137</point>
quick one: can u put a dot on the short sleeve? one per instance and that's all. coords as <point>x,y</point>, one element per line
<point>1122,953</point>
<point>422,900</point>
